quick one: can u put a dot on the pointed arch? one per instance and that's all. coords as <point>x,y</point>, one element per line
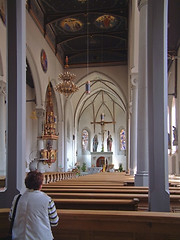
<point>100,82</point>
<point>35,75</point>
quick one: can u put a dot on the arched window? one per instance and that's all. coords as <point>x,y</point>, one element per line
<point>85,139</point>
<point>122,139</point>
<point>174,128</point>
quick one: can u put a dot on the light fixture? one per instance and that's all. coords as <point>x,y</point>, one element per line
<point>66,85</point>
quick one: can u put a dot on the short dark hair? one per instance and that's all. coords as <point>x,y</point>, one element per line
<point>34,180</point>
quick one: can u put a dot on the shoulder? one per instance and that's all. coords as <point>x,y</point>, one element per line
<point>15,198</point>
<point>37,193</point>
<point>45,195</point>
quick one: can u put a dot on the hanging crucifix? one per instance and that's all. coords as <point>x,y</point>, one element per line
<point>102,123</point>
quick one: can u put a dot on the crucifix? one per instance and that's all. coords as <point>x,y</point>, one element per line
<point>102,123</point>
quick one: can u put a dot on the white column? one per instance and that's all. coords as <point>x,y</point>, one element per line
<point>133,137</point>
<point>2,128</point>
<point>157,105</point>
<point>141,177</point>
<point>16,100</point>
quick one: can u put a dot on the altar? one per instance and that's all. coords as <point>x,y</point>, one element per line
<point>99,159</point>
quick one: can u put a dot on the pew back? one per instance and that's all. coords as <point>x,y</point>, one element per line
<point>105,225</point>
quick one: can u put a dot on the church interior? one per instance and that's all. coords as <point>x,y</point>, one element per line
<point>91,89</point>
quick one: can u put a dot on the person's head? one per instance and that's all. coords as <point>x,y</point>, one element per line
<point>34,180</point>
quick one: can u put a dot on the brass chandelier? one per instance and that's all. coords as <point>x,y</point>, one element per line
<point>66,85</point>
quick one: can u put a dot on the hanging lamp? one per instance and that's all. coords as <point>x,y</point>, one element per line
<point>66,85</point>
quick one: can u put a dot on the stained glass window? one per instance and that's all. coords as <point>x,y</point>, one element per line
<point>85,139</point>
<point>122,140</point>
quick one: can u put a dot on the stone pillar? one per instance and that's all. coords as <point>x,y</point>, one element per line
<point>141,177</point>
<point>16,75</point>
<point>2,128</point>
<point>133,137</point>
<point>159,199</point>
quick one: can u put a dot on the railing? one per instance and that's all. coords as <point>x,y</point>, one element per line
<point>50,177</point>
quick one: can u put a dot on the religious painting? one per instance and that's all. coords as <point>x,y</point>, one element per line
<point>71,24</point>
<point>122,140</point>
<point>106,21</point>
<point>43,58</point>
<point>85,139</point>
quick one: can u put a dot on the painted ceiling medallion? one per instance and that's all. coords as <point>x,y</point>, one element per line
<point>71,24</point>
<point>44,63</point>
<point>106,21</point>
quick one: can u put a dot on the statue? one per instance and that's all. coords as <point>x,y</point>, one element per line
<point>109,143</point>
<point>175,134</point>
<point>95,143</point>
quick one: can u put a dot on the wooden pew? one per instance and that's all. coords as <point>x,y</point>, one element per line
<point>4,222</point>
<point>94,190</point>
<point>105,225</point>
<point>142,205</point>
<point>97,204</point>
<point>117,225</point>
<point>61,185</point>
<point>57,195</point>
<point>103,189</point>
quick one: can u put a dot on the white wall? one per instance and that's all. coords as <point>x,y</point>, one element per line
<point>35,43</point>
<point>173,155</point>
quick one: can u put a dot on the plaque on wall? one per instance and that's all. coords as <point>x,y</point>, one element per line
<point>44,60</point>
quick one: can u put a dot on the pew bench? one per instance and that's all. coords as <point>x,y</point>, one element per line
<point>98,186</point>
<point>142,198</point>
<point>105,225</point>
<point>95,190</point>
<point>97,204</point>
<point>117,225</point>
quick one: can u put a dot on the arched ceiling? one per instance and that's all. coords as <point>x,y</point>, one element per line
<point>102,101</point>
